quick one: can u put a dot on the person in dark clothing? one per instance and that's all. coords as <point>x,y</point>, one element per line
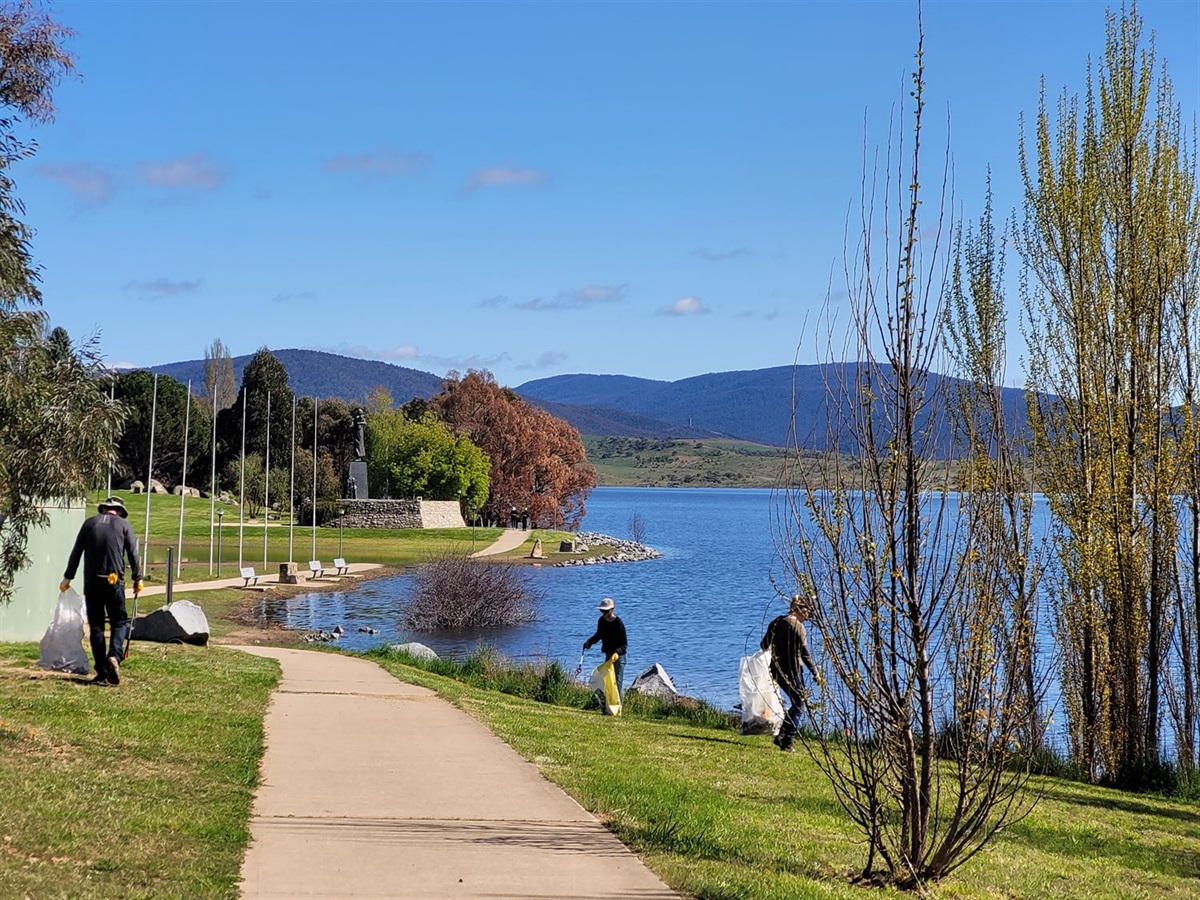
<point>610,633</point>
<point>786,640</point>
<point>104,541</point>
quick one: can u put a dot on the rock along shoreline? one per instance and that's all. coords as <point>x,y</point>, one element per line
<point>621,551</point>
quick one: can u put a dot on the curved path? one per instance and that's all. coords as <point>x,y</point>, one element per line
<point>510,539</point>
<point>376,788</point>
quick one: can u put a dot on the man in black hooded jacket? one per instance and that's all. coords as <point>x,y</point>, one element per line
<point>104,541</point>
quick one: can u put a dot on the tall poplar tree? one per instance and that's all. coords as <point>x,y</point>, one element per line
<point>1109,226</point>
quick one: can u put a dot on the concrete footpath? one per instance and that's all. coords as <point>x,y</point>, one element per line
<point>264,581</point>
<point>376,788</point>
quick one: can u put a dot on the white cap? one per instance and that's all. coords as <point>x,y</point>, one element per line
<point>607,604</point>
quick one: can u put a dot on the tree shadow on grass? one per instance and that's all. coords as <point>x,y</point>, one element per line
<point>712,740</point>
<point>1127,804</point>
<point>1087,839</point>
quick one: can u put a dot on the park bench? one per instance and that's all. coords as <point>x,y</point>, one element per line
<point>317,570</point>
<point>340,565</point>
<point>250,576</point>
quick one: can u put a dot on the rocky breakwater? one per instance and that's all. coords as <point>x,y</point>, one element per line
<point>615,550</point>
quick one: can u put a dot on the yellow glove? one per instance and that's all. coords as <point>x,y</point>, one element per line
<point>65,586</point>
<point>613,658</point>
<point>137,587</point>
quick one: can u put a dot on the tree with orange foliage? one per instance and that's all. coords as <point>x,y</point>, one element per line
<point>539,463</point>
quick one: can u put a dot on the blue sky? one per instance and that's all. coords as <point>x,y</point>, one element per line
<point>652,189</point>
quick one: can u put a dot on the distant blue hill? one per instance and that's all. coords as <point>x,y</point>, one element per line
<point>752,405</point>
<point>313,373</point>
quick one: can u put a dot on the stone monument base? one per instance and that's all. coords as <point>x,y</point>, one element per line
<point>288,573</point>
<point>399,514</point>
<point>358,476</point>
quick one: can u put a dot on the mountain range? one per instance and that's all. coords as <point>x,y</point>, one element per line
<point>753,405</point>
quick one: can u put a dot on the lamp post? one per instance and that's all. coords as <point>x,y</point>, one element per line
<point>341,512</point>
<point>473,517</point>
<point>220,516</point>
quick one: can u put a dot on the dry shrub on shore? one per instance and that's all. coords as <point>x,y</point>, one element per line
<point>454,591</point>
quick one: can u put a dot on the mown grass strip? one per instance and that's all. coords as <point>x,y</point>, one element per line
<point>141,790</point>
<point>720,815</point>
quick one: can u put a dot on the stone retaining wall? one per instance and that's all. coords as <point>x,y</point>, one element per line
<point>400,514</point>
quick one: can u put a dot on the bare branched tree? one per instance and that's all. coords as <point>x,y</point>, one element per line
<point>453,591</point>
<point>923,706</point>
<point>637,528</point>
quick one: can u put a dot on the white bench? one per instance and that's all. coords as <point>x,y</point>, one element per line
<point>248,574</point>
<point>340,565</point>
<point>317,570</point>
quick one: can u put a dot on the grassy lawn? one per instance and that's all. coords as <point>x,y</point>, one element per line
<point>721,816</point>
<point>138,791</point>
<point>398,548</point>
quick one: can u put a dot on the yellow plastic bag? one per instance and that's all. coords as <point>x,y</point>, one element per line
<point>604,682</point>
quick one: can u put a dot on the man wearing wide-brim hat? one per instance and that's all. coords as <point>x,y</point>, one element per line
<point>104,541</point>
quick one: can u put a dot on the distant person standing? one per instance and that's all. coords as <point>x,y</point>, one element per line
<point>104,541</point>
<point>610,633</point>
<point>788,643</point>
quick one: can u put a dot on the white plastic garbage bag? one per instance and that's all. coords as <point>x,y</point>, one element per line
<point>762,710</point>
<point>62,644</point>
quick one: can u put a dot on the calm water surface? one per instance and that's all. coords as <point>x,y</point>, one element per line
<point>696,611</point>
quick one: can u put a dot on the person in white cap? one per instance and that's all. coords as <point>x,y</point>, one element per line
<point>104,541</point>
<point>610,633</point>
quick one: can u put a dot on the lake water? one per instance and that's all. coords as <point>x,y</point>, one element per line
<point>697,610</point>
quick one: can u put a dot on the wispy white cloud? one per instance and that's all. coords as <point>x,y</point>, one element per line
<point>92,184</point>
<point>545,360</point>
<point>294,298</point>
<point>492,302</point>
<point>461,363</point>
<point>195,171</point>
<point>382,163</point>
<point>411,355</point>
<point>581,298</point>
<point>162,287</point>
<point>766,316</point>
<point>685,306</point>
<point>721,255</point>
<point>501,176</point>
<point>404,351</point>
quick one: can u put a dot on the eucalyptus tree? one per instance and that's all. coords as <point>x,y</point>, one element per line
<point>1108,242</point>
<point>57,423</point>
<point>918,719</point>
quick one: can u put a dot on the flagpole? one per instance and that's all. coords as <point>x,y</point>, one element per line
<point>112,399</point>
<point>314,496</point>
<point>242,490</point>
<point>187,420</point>
<point>267,484</point>
<point>150,474</point>
<point>213,478</point>
<point>292,489</point>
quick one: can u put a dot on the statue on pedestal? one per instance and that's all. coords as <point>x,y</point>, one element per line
<point>360,443</point>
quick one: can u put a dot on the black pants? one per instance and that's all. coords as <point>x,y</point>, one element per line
<point>791,719</point>
<point>106,602</point>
